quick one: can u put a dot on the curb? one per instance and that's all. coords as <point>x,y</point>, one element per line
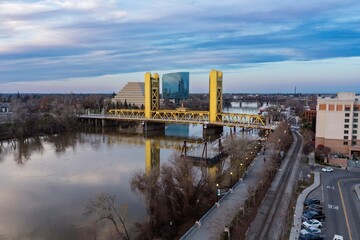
<point>357,190</point>
<point>295,229</point>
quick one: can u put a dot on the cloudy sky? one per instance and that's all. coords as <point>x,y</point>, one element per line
<point>260,45</point>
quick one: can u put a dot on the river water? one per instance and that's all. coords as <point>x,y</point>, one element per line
<point>45,182</point>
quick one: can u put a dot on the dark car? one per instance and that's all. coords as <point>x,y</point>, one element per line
<point>313,210</point>
<point>310,201</point>
<point>313,206</point>
<point>313,215</point>
<point>311,237</point>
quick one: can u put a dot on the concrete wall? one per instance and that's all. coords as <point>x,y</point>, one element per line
<point>338,162</point>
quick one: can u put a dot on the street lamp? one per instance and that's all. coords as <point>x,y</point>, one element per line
<point>171,228</point>
<point>231,180</point>
<point>241,170</point>
<point>217,192</point>
<point>197,207</point>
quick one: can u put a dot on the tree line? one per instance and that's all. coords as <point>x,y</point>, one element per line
<point>34,114</point>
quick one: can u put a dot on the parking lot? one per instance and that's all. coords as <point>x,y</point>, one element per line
<point>341,205</point>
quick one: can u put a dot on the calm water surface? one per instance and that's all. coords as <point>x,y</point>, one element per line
<point>45,182</point>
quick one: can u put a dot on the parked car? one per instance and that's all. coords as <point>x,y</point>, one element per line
<point>338,237</point>
<point>320,211</point>
<point>313,206</point>
<point>327,169</point>
<point>310,230</point>
<point>312,223</point>
<point>310,201</point>
<point>311,237</point>
<point>312,215</point>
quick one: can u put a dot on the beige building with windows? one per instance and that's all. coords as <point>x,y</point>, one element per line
<point>132,92</point>
<point>337,123</point>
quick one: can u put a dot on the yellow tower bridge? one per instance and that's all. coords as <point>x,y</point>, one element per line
<point>152,114</point>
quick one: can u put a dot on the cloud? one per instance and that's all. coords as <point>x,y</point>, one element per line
<point>61,39</point>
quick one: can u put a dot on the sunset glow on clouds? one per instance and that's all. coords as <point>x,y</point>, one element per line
<point>99,45</point>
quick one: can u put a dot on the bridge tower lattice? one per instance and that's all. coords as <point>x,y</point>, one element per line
<point>152,99</point>
<point>215,92</point>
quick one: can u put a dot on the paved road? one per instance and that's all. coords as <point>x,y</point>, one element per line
<point>352,205</point>
<point>336,193</point>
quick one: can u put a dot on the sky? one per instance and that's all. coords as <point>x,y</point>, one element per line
<point>261,46</point>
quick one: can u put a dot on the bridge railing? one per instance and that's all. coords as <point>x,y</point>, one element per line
<point>191,117</point>
<point>242,119</point>
<point>127,113</point>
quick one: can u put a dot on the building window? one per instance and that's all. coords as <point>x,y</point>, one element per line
<point>347,120</point>
<point>356,108</point>
<point>346,126</point>
<point>346,137</point>
<point>355,126</point>
<point>356,114</point>
<point>353,143</point>
<point>346,131</point>
<point>355,120</point>
<point>345,143</point>
<point>354,137</point>
<point>322,106</point>
<point>347,114</point>
<point>354,131</point>
<point>347,108</point>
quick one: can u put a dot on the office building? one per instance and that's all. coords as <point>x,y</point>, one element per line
<point>309,114</point>
<point>133,93</point>
<point>175,86</point>
<point>337,123</point>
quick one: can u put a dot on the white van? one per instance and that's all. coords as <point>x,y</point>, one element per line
<point>338,237</point>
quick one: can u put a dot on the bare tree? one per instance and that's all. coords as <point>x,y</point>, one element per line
<point>103,208</point>
<point>173,195</point>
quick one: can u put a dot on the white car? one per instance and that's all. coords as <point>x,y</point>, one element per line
<point>338,237</point>
<point>327,169</point>
<point>310,230</point>
<point>312,223</point>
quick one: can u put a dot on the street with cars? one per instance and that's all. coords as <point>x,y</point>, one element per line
<point>332,211</point>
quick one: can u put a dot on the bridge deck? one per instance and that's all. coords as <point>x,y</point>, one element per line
<point>186,117</point>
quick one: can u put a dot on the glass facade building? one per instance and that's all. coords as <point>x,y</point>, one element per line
<point>175,86</point>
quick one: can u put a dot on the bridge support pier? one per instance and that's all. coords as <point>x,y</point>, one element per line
<point>150,127</point>
<point>211,130</point>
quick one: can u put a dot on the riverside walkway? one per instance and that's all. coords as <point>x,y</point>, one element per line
<point>213,223</point>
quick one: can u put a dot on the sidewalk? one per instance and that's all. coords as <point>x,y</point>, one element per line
<point>295,229</point>
<point>212,225</point>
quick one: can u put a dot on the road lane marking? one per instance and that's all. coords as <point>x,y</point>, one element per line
<point>344,209</point>
<point>333,207</point>
<point>330,187</point>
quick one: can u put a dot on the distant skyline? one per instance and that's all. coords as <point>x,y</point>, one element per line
<point>96,46</point>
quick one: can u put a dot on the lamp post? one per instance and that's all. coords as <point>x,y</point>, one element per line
<point>197,208</point>
<point>171,228</point>
<point>241,170</point>
<point>217,192</point>
<point>231,180</point>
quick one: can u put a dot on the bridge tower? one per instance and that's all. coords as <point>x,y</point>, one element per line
<point>152,99</point>
<point>215,92</point>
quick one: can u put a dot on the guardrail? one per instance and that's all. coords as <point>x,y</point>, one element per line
<point>216,205</point>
